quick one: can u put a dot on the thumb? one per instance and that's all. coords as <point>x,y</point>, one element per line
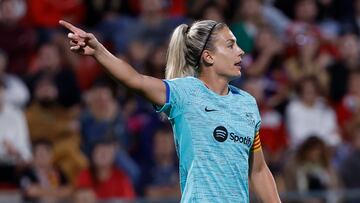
<point>87,36</point>
<point>90,36</point>
<point>83,35</point>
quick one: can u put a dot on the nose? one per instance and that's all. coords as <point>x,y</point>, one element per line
<point>240,51</point>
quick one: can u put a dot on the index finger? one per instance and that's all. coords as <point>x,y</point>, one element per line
<point>70,26</point>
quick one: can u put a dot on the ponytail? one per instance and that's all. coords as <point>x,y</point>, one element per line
<point>176,65</point>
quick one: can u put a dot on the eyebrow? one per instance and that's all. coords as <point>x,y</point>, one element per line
<point>231,40</point>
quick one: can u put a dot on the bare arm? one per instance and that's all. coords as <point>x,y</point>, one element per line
<point>36,191</point>
<point>261,179</point>
<point>84,43</point>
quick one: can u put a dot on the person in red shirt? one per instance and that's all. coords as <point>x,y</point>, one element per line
<point>47,13</point>
<point>107,181</point>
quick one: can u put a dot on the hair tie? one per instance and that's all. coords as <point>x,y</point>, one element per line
<point>207,39</point>
<point>187,29</point>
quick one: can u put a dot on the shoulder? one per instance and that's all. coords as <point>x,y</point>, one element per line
<point>120,176</point>
<point>184,85</point>
<point>13,112</point>
<point>182,81</point>
<point>119,173</point>
<point>245,95</point>
<point>85,172</point>
<point>86,116</point>
<point>295,103</point>
<point>84,176</point>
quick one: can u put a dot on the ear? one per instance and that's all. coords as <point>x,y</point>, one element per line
<point>208,58</point>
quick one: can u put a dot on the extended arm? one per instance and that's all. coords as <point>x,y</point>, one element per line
<point>261,178</point>
<point>84,43</point>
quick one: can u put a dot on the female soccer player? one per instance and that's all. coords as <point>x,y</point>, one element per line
<point>216,125</point>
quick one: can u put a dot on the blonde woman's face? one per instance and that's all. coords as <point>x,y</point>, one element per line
<point>227,55</point>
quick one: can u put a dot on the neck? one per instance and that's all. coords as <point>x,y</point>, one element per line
<point>309,103</point>
<point>165,160</point>
<point>215,83</point>
<point>104,173</point>
<point>108,112</point>
<point>43,169</point>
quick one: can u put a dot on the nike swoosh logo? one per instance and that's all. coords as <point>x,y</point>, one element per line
<point>209,110</point>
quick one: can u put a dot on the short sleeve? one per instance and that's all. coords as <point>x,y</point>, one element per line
<point>257,143</point>
<point>175,96</point>
<point>257,127</point>
<point>256,146</point>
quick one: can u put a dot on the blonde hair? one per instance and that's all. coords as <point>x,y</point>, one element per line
<point>186,47</point>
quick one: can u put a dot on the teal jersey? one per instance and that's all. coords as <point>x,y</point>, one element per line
<point>214,136</point>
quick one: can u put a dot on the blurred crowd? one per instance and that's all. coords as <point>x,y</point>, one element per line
<point>68,132</point>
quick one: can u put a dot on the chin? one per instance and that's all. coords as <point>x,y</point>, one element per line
<point>238,73</point>
<point>234,76</point>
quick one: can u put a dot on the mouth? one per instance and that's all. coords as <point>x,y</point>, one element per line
<point>238,64</point>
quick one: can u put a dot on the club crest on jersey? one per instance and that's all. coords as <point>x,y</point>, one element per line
<point>250,119</point>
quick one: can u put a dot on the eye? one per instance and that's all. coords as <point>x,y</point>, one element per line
<point>231,46</point>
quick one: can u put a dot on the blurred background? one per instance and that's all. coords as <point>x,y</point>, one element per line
<point>69,133</point>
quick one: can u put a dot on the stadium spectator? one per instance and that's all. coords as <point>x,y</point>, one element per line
<point>16,39</point>
<point>328,14</point>
<point>161,178</point>
<point>309,114</point>
<point>276,19</point>
<point>47,13</point>
<point>105,10</point>
<point>155,65</point>
<point>103,177</point>
<point>348,109</point>
<point>305,12</point>
<point>16,92</point>
<point>267,52</point>
<point>273,134</point>
<point>154,25</point>
<point>48,120</point>
<point>266,56</point>
<point>103,116</point>
<point>350,18</point>
<point>15,149</point>
<point>307,58</point>
<point>195,8</point>
<point>267,63</point>
<point>309,49</point>
<point>339,71</point>
<point>49,61</point>
<point>112,31</point>
<point>310,170</point>
<point>138,52</point>
<point>247,21</point>
<point>85,69</point>
<point>351,163</point>
<point>212,11</point>
<point>43,181</point>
